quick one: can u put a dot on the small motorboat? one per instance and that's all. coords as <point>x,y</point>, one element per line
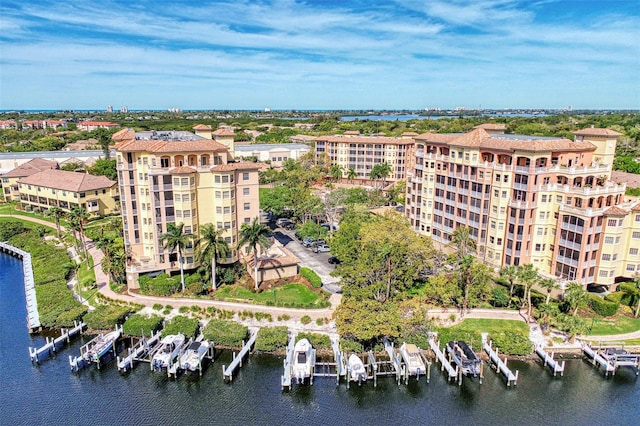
<point>411,357</point>
<point>464,358</point>
<point>101,345</point>
<point>357,372</point>
<point>303,361</point>
<point>169,350</point>
<point>192,358</point>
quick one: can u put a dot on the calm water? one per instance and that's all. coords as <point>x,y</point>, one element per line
<point>50,394</point>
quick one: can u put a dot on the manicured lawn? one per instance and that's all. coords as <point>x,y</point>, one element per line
<point>291,294</point>
<point>618,325</point>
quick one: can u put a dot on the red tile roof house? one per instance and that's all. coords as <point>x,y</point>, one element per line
<point>93,125</point>
<point>8,124</point>
<point>10,179</point>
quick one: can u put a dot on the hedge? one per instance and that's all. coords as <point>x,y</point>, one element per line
<point>318,341</point>
<point>272,338</point>
<point>105,317</point>
<point>225,333</point>
<point>142,325</point>
<point>603,307</point>
<point>615,297</point>
<point>348,345</point>
<point>161,285</point>
<point>512,343</point>
<point>181,324</point>
<point>311,276</point>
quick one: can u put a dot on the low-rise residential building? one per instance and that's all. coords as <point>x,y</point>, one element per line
<point>540,200</point>
<point>276,153</point>
<point>8,124</point>
<point>40,191</point>
<point>180,178</point>
<point>10,179</point>
<point>361,153</point>
<point>93,125</point>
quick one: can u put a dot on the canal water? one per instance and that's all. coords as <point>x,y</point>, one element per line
<point>50,394</point>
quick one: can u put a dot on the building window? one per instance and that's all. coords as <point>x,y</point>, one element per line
<point>164,162</point>
<point>603,274</point>
<point>218,210</point>
<point>606,257</point>
<point>608,240</point>
<point>247,206</point>
<point>631,268</point>
<point>612,222</point>
<point>635,235</point>
<point>633,251</point>
<point>245,176</point>
<point>247,220</point>
<point>245,191</point>
<point>499,241</point>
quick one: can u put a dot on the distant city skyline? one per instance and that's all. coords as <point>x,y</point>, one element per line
<point>314,55</point>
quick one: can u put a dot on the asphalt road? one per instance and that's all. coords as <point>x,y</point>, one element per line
<point>316,261</point>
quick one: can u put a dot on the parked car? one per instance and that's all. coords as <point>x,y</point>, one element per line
<point>321,248</point>
<point>334,260</point>
<point>317,243</point>
<point>283,221</point>
<point>308,241</point>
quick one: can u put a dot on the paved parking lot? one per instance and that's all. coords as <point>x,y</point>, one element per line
<point>316,261</point>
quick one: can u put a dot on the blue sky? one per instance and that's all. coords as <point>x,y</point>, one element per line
<point>291,54</point>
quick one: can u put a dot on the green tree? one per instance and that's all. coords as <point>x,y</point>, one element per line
<point>254,235</point>
<point>548,284</point>
<point>441,290</point>
<point>77,217</point>
<point>462,241</point>
<point>211,246</point>
<point>336,172</point>
<point>509,273</point>
<point>528,275</point>
<point>104,139</point>
<point>176,240</point>
<point>56,213</point>
<point>576,296</point>
<point>367,320</point>
<point>351,174</point>
<point>104,167</point>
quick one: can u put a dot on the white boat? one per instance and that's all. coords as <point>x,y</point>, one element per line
<point>411,357</point>
<point>357,371</point>
<point>168,351</point>
<point>101,345</point>
<point>192,358</point>
<point>303,361</point>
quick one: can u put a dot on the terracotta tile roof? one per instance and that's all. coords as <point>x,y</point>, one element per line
<point>68,181</point>
<point>201,127</point>
<point>365,140</point>
<point>636,207</point>
<point>223,132</point>
<point>409,134</point>
<point>155,146</point>
<point>491,126</point>
<point>31,167</point>
<point>124,135</point>
<point>352,133</point>
<point>615,211</point>
<point>631,179</point>
<point>437,137</point>
<point>99,123</point>
<point>182,170</point>
<point>597,131</point>
<point>480,138</point>
<point>235,166</point>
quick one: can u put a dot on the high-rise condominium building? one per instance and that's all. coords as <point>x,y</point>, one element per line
<point>180,178</point>
<point>542,200</point>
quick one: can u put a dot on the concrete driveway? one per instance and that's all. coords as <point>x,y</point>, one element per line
<point>316,261</point>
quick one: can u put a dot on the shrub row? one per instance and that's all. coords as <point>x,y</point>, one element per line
<point>603,307</point>
<point>105,317</point>
<point>512,343</point>
<point>311,276</point>
<point>142,325</point>
<point>56,305</point>
<point>225,333</point>
<point>181,324</point>
<point>161,285</point>
<point>319,341</point>
<point>272,338</point>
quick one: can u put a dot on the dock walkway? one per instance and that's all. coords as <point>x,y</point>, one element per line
<point>285,379</point>
<point>33,317</point>
<point>227,372</point>
<point>555,366</point>
<point>452,372</point>
<point>501,365</point>
<point>51,345</point>
<point>138,352</point>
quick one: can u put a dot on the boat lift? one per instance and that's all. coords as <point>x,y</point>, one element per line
<point>78,362</point>
<point>501,365</point>
<point>51,345</point>
<point>611,358</point>
<point>227,372</point>
<point>547,360</point>
<point>452,372</point>
<point>138,352</point>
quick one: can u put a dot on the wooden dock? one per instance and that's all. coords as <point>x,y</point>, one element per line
<point>547,360</point>
<point>452,372</point>
<point>285,379</point>
<point>138,352</point>
<point>33,317</point>
<point>501,365</point>
<point>51,345</point>
<point>227,372</point>
<point>611,358</point>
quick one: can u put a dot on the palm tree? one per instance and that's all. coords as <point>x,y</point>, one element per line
<point>463,243</point>
<point>549,284</point>
<point>176,239</point>
<point>56,213</point>
<point>636,283</point>
<point>509,273</point>
<point>78,217</point>
<point>254,235</point>
<point>336,172</point>
<point>374,174</point>
<point>211,245</point>
<point>576,296</point>
<point>351,174</point>
<point>385,171</point>
<point>528,276</point>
